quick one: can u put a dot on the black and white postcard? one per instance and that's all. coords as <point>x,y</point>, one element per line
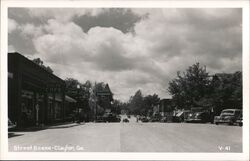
<point>148,80</point>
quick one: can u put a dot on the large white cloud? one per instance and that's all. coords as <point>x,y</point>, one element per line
<point>163,42</point>
<point>12,25</point>
<point>31,30</point>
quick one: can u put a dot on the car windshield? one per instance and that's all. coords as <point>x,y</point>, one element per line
<point>228,112</point>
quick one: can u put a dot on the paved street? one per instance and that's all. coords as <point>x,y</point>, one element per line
<point>132,137</point>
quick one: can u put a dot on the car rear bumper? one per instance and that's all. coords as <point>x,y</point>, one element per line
<point>222,121</point>
<point>194,120</point>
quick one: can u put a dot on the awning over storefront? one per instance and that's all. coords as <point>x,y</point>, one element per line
<point>69,99</point>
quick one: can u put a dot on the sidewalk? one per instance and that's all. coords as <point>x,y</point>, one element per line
<point>44,127</point>
<point>65,125</point>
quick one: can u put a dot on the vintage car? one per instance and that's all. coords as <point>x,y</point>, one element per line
<point>155,119</point>
<point>229,116</point>
<point>100,119</point>
<point>239,120</point>
<point>179,117</point>
<point>144,119</point>
<point>201,117</point>
<point>110,117</point>
<point>125,120</point>
<point>164,119</point>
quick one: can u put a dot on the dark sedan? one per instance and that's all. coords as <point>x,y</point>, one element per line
<point>110,117</point>
<point>201,117</point>
<point>229,116</point>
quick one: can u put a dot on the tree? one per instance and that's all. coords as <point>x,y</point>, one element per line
<point>136,103</point>
<point>149,102</point>
<point>226,91</point>
<point>117,106</point>
<point>71,83</point>
<point>78,91</point>
<point>39,62</point>
<point>101,96</point>
<point>191,87</point>
<point>196,88</point>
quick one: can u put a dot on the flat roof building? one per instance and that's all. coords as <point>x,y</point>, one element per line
<point>35,95</point>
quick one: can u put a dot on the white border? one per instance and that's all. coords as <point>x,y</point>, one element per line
<point>4,154</point>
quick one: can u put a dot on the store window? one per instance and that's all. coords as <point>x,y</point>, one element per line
<point>58,110</point>
<point>50,107</point>
<point>27,107</point>
<point>58,106</point>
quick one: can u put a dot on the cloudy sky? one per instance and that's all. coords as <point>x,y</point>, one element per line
<point>130,49</point>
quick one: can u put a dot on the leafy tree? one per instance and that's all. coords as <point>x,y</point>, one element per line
<point>124,108</point>
<point>226,91</point>
<point>136,103</point>
<point>143,105</point>
<point>149,102</point>
<point>196,88</point>
<point>190,87</point>
<point>78,91</point>
<point>39,62</point>
<point>117,106</point>
<point>103,101</point>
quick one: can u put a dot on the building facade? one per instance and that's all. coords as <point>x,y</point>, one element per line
<point>35,95</point>
<point>100,100</point>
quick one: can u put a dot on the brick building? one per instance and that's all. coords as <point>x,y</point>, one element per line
<point>35,95</point>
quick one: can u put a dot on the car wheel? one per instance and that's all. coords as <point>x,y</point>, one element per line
<point>216,123</point>
<point>240,124</point>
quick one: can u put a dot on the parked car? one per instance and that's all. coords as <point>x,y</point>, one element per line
<point>118,117</point>
<point>186,113</point>
<point>125,120</point>
<point>11,125</point>
<point>155,119</point>
<point>164,119</point>
<point>110,117</point>
<point>179,117</point>
<point>229,116</point>
<point>100,119</point>
<point>144,119</point>
<point>201,117</point>
<point>239,121</point>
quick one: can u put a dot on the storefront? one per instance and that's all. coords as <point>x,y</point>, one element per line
<point>35,96</point>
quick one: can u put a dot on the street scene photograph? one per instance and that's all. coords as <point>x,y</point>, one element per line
<point>125,80</point>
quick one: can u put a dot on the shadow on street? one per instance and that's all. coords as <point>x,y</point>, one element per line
<point>39,128</point>
<point>12,134</point>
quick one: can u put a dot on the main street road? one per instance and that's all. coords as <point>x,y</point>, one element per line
<point>132,137</point>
